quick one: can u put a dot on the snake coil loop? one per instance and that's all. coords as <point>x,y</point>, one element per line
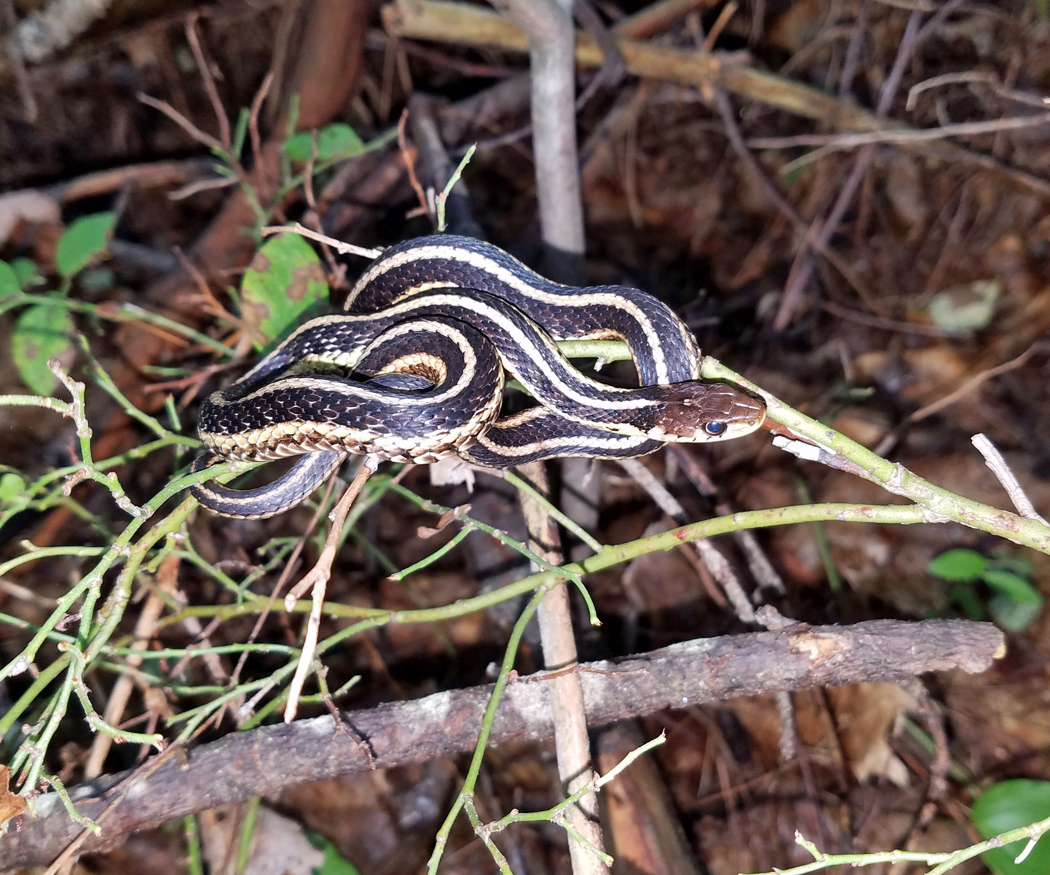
<point>413,371</point>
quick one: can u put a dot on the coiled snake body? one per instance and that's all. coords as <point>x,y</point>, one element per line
<point>413,371</point>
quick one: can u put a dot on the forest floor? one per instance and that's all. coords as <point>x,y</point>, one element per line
<point>897,288</point>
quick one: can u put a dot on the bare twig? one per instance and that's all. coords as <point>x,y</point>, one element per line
<point>802,269</point>
<point>253,118</point>
<point>552,61</point>
<point>613,67</point>
<point>696,672</point>
<point>551,34</point>
<point>145,626</point>
<point>657,16</point>
<point>971,384</point>
<point>758,563</point>
<point>468,24</point>
<point>337,245</point>
<point>883,323</point>
<point>709,554</point>
<point>409,159</point>
<point>316,579</point>
<point>183,122</point>
<point>995,461</point>
<point>969,76</point>
<point>839,142</point>
<point>208,78</point>
<point>774,195</point>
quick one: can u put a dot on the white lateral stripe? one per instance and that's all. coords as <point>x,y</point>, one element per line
<point>319,383</point>
<point>610,443</point>
<point>514,281</point>
<point>532,352</point>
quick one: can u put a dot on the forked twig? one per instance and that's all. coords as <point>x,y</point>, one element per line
<point>337,245</point>
<point>316,579</point>
<point>995,461</point>
<point>209,82</point>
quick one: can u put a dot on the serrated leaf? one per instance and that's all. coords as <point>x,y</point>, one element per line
<point>82,241</point>
<point>11,487</point>
<point>1010,805</point>
<point>283,284</point>
<point>9,284</point>
<point>1012,586</point>
<point>42,332</point>
<point>334,142</point>
<point>959,564</point>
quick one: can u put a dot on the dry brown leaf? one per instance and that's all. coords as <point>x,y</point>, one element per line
<point>866,715</point>
<point>11,804</point>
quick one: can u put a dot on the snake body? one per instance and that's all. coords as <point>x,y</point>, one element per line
<point>414,373</point>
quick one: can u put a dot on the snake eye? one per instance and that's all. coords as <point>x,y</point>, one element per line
<point>715,428</point>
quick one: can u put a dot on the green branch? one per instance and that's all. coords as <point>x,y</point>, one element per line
<point>938,504</point>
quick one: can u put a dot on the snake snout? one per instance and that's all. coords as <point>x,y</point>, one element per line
<point>701,412</point>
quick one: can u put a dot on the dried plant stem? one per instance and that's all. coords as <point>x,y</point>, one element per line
<point>316,580</point>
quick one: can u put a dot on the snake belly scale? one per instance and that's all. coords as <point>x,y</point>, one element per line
<point>414,372</point>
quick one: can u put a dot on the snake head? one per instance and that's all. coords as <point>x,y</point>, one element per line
<point>698,412</point>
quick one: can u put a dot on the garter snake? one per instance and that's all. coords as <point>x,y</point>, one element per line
<point>406,374</point>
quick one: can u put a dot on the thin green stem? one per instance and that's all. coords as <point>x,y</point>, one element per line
<point>485,835</point>
<point>56,784</point>
<point>121,313</point>
<point>47,552</point>
<point>938,504</point>
<point>441,551</point>
<point>471,779</point>
<point>194,856</point>
<point>498,534</point>
<point>610,556</point>
<point>37,749</point>
<point>249,822</point>
<point>76,670</point>
<point>105,382</point>
<point>40,683</point>
<point>439,204</point>
<point>523,485</point>
<point>602,350</point>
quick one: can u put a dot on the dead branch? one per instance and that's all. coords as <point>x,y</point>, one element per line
<point>265,761</point>
<point>464,24</point>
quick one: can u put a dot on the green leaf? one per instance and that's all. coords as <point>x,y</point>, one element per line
<point>97,279</point>
<point>240,132</point>
<point>334,862</point>
<point>1013,616</point>
<point>1010,805</point>
<point>1015,562</point>
<point>11,487</point>
<point>334,143</point>
<point>25,270</point>
<point>9,284</point>
<point>42,332</point>
<point>959,564</point>
<point>1012,586</point>
<point>283,284</point>
<point>82,241</point>
<point>962,595</point>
